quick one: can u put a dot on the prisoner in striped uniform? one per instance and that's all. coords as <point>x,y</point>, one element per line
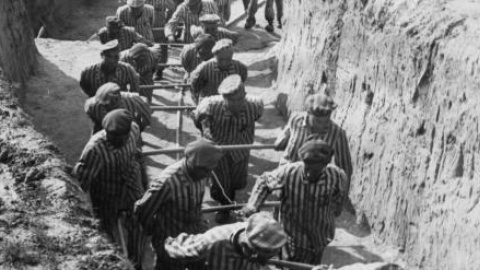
<point>172,204</point>
<point>138,15</point>
<point>206,78</point>
<point>239,246</point>
<point>108,98</point>
<point>189,13</point>
<point>251,7</point>
<point>194,54</point>
<point>270,14</point>
<point>109,70</point>
<point>144,60</point>
<point>316,121</point>
<point>229,119</point>
<point>210,25</point>
<point>162,8</point>
<point>311,192</point>
<point>126,36</point>
<point>109,170</point>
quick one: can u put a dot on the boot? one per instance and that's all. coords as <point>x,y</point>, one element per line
<point>250,23</point>
<point>269,27</point>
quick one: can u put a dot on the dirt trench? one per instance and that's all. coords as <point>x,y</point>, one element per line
<point>55,102</point>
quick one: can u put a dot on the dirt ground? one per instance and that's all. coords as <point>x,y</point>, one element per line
<point>55,101</point>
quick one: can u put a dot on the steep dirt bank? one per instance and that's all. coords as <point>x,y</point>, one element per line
<point>45,219</point>
<point>405,76</point>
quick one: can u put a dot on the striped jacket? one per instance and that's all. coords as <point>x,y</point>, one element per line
<point>223,127</point>
<point>160,7</point>
<point>126,37</point>
<point>185,16</point>
<point>297,131</point>
<point>207,77</point>
<point>93,77</point>
<point>132,102</point>
<point>143,25</point>
<point>306,210</point>
<point>217,245</point>
<point>172,204</point>
<point>111,174</point>
<point>146,71</point>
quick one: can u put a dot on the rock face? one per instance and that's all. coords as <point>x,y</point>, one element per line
<point>46,219</point>
<point>17,49</point>
<point>405,76</point>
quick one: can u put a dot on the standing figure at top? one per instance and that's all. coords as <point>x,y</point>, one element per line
<point>139,16</point>
<point>189,13</point>
<point>126,35</point>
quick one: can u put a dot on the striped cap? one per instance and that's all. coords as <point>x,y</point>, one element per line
<point>230,85</point>
<point>112,44</point>
<point>118,121</point>
<point>203,153</point>
<point>264,234</point>
<point>315,149</point>
<point>135,3</point>
<point>320,104</point>
<point>210,19</point>
<point>222,45</point>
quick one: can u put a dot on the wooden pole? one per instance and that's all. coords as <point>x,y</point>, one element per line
<point>223,147</point>
<point>179,122</point>
<point>237,206</point>
<point>164,86</point>
<point>291,265</point>
<point>172,44</point>
<point>168,65</point>
<point>172,108</point>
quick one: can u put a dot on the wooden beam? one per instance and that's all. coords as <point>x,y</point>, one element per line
<point>172,108</point>
<point>237,206</point>
<point>236,147</point>
<point>164,86</point>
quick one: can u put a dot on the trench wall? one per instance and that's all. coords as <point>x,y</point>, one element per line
<point>405,75</point>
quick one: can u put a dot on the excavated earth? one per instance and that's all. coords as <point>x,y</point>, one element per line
<point>397,69</point>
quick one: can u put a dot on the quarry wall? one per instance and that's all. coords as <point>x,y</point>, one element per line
<point>405,76</point>
<point>45,219</point>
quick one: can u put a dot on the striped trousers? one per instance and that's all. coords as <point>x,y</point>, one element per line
<point>112,221</point>
<point>295,253</point>
<point>231,176</point>
<point>251,7</point>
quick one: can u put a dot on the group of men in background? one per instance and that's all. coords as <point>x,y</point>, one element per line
<point>311,182</point>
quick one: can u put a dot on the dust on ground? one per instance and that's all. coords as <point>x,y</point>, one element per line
<point>55,101</point>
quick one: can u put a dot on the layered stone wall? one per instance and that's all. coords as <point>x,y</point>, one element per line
<point>405,75</point>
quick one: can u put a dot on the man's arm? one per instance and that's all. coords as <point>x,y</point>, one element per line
<point>342,156</point>
<point>134,79</point>
<point>147,207</point>
<point>186,56</point>
<point>203,118</point>
<point>87,168</point>
<point>187,248</point>
<point>265,184</point>
<point>197,81</point>
<point>172,24</point>
<point>143,112</point>
<point>282,140</point>
<point>85,83</point>
<point>340,189</point>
